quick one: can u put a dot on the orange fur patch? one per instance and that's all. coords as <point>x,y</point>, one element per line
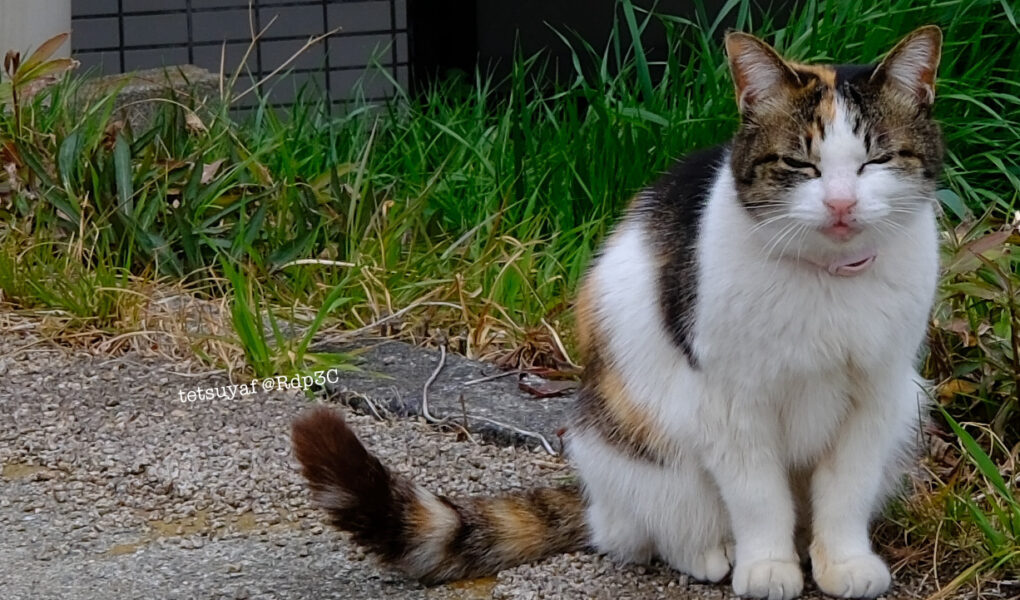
<point>584,313</point>
<point>519,531</point>
<point>632,420</point>
<point>827,106</point>
<point>825,73</point>
<point>827,76</point>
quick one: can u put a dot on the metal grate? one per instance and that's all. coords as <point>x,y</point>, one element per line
<point>116,36</point>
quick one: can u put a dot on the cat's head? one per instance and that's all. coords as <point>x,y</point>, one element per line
<point>835,156</point>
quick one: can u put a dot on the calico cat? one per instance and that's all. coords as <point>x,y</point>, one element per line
<point>751,330</point>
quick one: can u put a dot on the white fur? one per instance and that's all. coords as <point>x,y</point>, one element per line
<point>912,68</point>
<point>428,553</point>
<point>800,372</point>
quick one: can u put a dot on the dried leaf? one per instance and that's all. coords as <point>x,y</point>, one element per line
<point>13,181</point>
<point>990,246</point>
<point>209,171</point>
<point>45,50</point>
<point>962,328</point>
<point>546,389</point>
<point>11,61</point>
<point>194,122</point>
<point>45,76</point>
<point>261,173</point>
<point>943,455</point>
<point>9,153</point>
<point>948,391</point>
<point>563,372</point>
<point>111,133</point>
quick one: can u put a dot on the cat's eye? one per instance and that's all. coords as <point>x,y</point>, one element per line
<point>876,161</point>
<point>793,163</point>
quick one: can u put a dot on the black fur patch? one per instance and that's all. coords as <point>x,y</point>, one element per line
<point>854,74</point>
<point>334,461</point>
<point>591,414</point>
<point>671,210</point>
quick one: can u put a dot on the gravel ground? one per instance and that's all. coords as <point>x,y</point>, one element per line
<point>113,488</point>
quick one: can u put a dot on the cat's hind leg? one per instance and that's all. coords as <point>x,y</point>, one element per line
<point>638,509</point>
<point>614,497</point>
<point>616,532</point>
<point>693,535</point>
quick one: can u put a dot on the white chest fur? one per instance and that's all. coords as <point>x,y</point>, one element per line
<point>780,317</point>
<point>774,332</point>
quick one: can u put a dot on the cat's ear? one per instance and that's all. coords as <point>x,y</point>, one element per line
<point>758,70</point>
<point>910,67</point>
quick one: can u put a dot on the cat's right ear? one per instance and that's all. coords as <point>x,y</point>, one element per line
<point>758,70</point>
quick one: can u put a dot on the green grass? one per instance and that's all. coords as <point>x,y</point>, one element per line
<point>472,178</point>
<point>480,202</point>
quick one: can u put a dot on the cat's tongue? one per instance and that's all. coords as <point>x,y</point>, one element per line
<point>851,264</point>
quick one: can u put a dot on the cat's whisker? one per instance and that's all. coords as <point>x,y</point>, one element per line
<point>768,221</point>
<point>799,229</point>
<point>898,228</point>
<point>779,237</point>
<point>800,247</point>
<point>774,243</point>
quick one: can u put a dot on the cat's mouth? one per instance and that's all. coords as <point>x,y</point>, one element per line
<point>852,265</point>
<point>840,231</point>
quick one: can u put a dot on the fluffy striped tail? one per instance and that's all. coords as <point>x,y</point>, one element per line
<point>427,536</point>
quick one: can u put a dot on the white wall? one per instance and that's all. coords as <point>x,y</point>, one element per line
<point>25,24</point>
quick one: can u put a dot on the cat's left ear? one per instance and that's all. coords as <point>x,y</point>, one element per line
<point>911,66</point>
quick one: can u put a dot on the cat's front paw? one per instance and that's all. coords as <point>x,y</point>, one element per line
<point>864,576</point>
<point>772,579</point>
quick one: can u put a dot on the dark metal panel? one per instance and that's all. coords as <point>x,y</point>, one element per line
<point>116,35</point>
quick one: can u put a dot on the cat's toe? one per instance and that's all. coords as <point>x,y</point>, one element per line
<point>772,579</point>
<point>717,565</point>
<point>864,576</point>
<point>711,565</point>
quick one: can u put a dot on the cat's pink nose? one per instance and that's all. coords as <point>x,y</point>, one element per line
<point>840,207</point>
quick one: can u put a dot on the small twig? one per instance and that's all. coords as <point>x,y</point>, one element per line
<point>531,434</point>
<point>368,401</point>
<point>431,419</point>
<point>549,465</point>
<point>492,377</point>
<point>105,345</point>
<point>308,44</point>
<point>463,411</point>
<point>200,375</point>
<point>980,496</point>
<point>425,390</point>
<point>314,261</point>
<point>21,327</point>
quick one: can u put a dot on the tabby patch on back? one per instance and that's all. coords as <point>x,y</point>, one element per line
<point>750,329</point>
